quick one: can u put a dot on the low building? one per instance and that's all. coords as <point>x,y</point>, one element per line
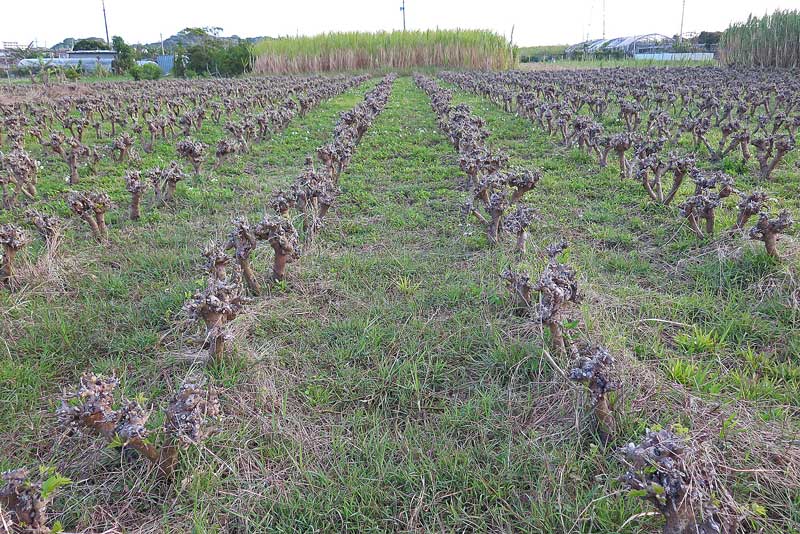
<point>88,60</point>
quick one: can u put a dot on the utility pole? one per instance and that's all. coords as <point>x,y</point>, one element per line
<point>683,11</point>
<point>105,20</point>
<point>604,19</point>
<point>403,9</point>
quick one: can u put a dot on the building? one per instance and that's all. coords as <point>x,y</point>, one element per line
<point>88,60</point>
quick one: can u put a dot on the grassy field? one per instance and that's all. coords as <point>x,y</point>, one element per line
<point>387,386</point>
<point>398,50</point>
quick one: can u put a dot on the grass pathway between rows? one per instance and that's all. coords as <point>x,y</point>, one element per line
<point>389,393</point>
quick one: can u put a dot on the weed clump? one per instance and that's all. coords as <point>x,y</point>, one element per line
<point>13,239</point>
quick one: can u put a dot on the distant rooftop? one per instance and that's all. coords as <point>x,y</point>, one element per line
<point>92,53</point>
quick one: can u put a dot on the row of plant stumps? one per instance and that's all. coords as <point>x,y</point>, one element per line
<point>672,469</point>
<point>94,408</point>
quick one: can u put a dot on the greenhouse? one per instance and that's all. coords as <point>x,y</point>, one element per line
<point>624,46</point>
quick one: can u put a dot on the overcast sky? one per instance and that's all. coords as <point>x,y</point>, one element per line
<point>535,21</point>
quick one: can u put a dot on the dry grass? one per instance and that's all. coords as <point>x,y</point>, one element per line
<point>355,51</point>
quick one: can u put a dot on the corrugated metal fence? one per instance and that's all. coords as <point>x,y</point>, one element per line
<point>166,63</point>
<point>683,56</point>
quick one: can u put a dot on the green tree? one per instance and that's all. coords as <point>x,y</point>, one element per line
<point>204,58</point>
<point>179,67</point>
<point>125,59</point>
<point>236,60</point>
<point>90,43</point>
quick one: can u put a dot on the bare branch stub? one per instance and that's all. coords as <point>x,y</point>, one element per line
<point>131,430</point>
<point>94,411</point>
<point>522,182</point>
<point>217,305</point>
<point>101,203</point>
<point>243,241</point>
<point>519,284</point>
<point>517,223</point>
<point>91,207</point>
<point>135,186</point>
<point>192,151</point>
<point>21,499</point>
<point>557,286</point>
<point>770,151</point>
<point>225,148</point>
<point>750,205</point>
<point>12,239</point>
<point>698,207</point>
<point>191,411</point>
<point>170,176</point>
<point>554,249</point>
<point>282,201</point>
<point>48,226</point>
<point>122,146</point>
<point>496,206</point>
<point>469,208</point>
<point>281,234</point>
<point>594,368</point>
<point>189,419</point>
<point>217,261</point>
<point>702,205</point>
<point>91,408</point>
<point>767,230</point>
<point>668,472</point>
<point>21,178</point>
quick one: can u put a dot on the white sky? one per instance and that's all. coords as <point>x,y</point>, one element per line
<point>535,21</point>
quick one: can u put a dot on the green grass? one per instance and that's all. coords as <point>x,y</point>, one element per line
<point>387,386</point>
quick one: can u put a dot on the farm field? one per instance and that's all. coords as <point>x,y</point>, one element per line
<point>388,381</point>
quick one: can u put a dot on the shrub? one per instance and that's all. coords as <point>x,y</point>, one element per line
<point>72,74</point>
<point>148,71</point>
